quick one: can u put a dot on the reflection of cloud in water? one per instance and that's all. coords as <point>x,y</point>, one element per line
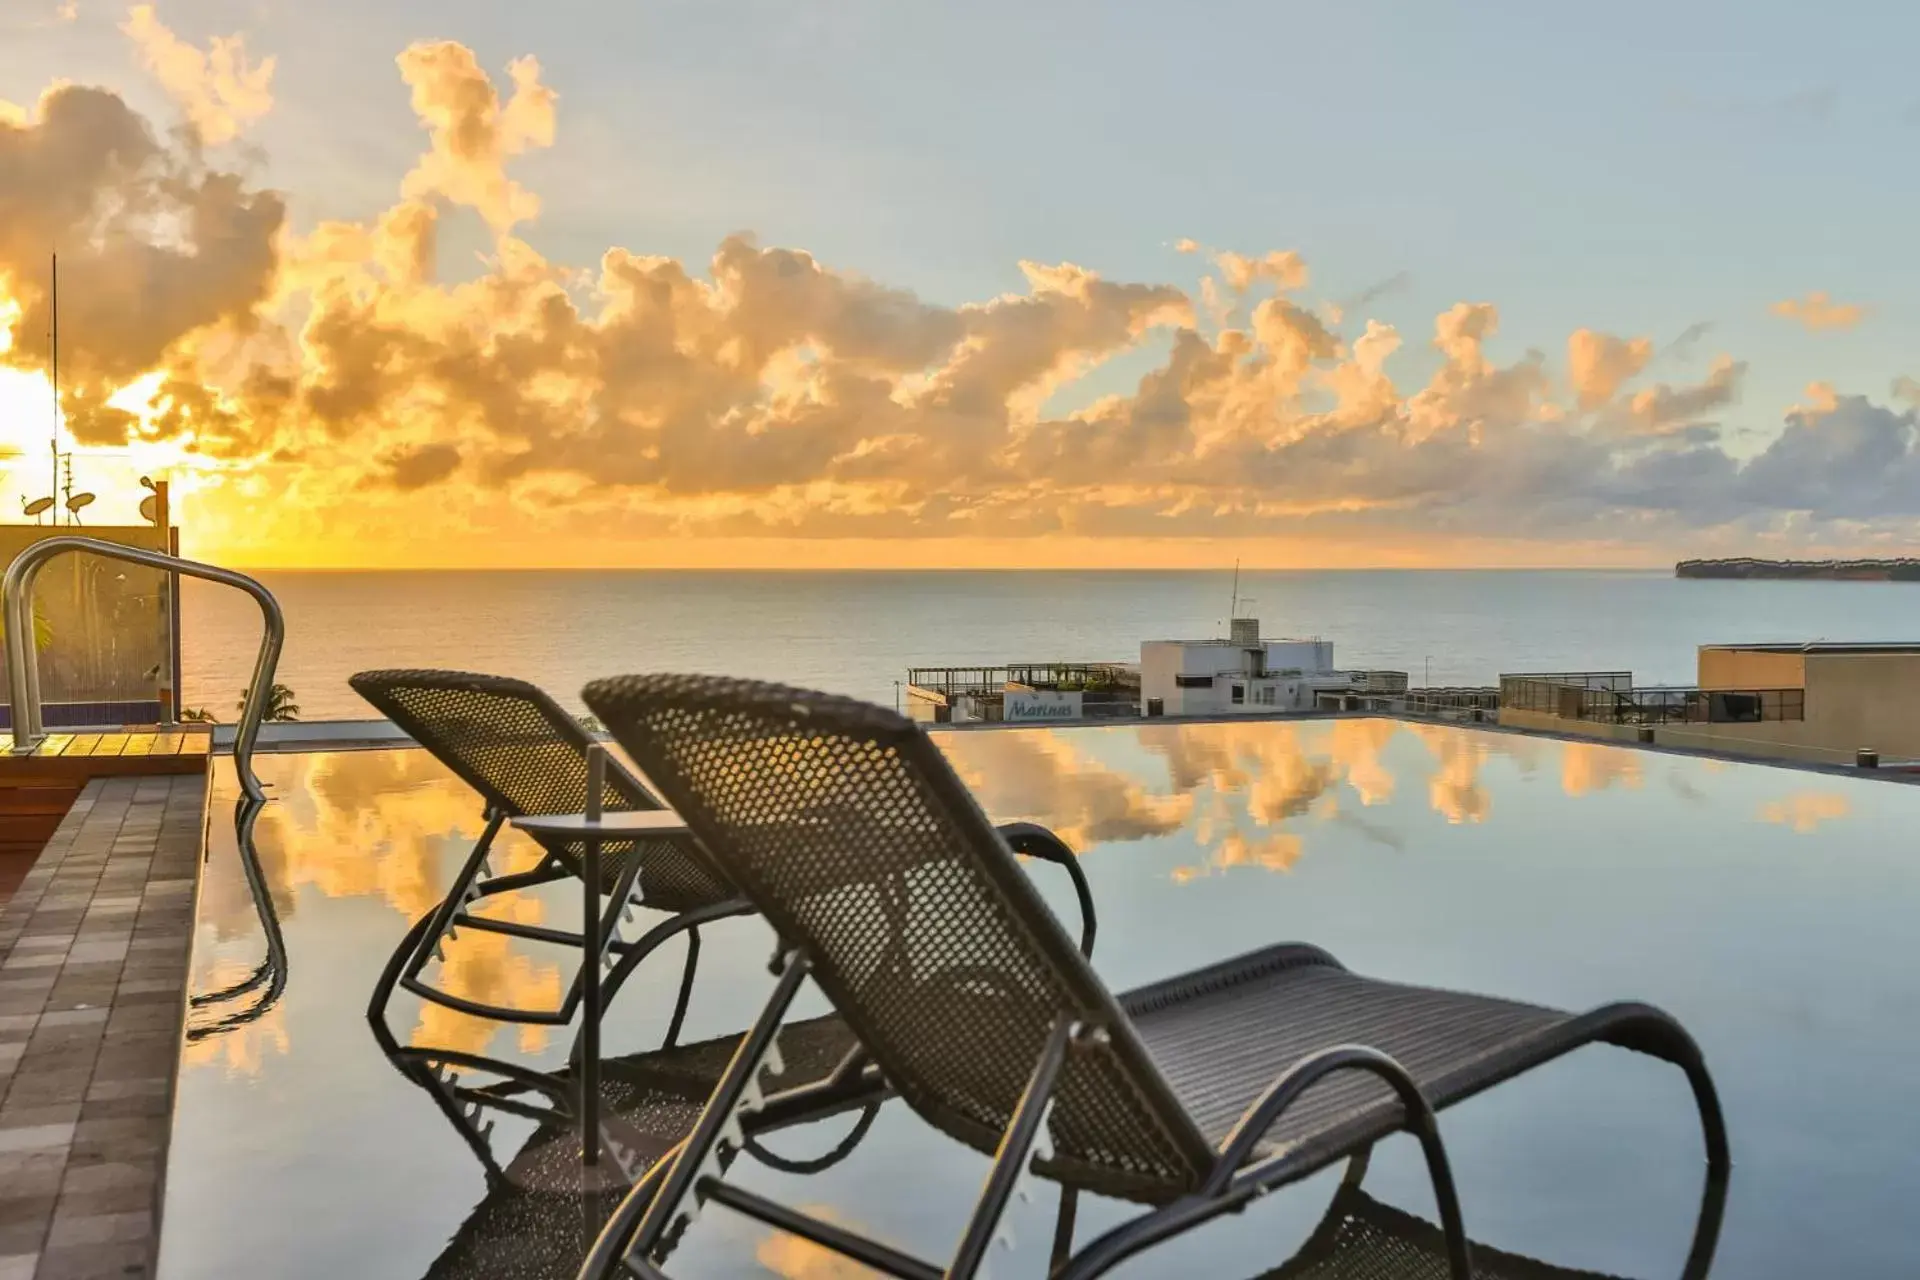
<point>1586,767</point>
<point>799,1259</point>
<point>1356,746</point>
<point>1454,790</point>
<point>1804,811</point>
<point>1040,776</point>
<point>392,826</point>
<point>1274,851</point>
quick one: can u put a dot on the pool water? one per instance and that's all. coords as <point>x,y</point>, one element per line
<point>1768,908</point>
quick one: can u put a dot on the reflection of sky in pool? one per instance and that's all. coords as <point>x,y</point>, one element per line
<point>1767,908</point>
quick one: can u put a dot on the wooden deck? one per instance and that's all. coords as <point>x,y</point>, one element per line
<point>37,790</point>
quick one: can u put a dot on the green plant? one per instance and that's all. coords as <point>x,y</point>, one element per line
<point>42,629</point>
<point>280,704</point>
<point>196,715</point>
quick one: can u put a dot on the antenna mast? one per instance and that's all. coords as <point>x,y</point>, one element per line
<point>56,381</point>
<point>1233,608</point>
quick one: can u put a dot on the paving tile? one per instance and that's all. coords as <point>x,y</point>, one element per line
<point>38,1137</point>
<point>33,1117</point>
<point>112,1090</point>
<point>34,1173</point>
<point>98,1228</point>
<point>18,1266</point>
<point>95,1262</point>
<point>108,1174</point>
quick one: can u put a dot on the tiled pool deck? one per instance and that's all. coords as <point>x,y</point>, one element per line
<point>93,960</point>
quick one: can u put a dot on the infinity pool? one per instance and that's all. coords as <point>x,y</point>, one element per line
<point>1770,909</point>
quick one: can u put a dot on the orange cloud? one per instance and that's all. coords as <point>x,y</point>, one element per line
<point>1817,311</point>
<point>472,134</point>
<point>327,397</point>
<point>1599,363</point>
<point>221,89</point>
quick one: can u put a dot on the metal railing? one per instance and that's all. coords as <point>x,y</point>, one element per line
<point>23,663</point>
<point>1578,697</point>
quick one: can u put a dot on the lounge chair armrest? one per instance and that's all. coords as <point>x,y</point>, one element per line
<point>1035,841</point>
<point>1420,1121</point>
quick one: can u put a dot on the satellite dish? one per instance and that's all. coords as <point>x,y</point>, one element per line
<point>149,510</point>
<point>37,507</point>
<point>76,502</point>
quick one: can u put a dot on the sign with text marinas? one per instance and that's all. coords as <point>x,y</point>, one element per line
<point>1038,707</point>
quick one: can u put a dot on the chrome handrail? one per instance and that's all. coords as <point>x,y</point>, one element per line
<point>23,659</point>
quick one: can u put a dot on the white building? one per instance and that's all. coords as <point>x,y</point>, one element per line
<point>1242,673</point>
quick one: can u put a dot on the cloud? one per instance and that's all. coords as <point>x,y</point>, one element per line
<point>221,89</point>
<point>472,133</point>
<point>1817,312</point>
<point>766,393</point>
<point>1599,363</point>
<point>153,246</point>
<point>426,465</point>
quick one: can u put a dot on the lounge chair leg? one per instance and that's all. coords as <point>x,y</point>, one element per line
<point>1016,1149</point>
<point>702,1147</point>
<point>1063,1229</point>
<point>457,896</point>
<point>1357,1169</point>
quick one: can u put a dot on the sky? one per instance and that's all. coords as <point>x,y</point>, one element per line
<point>911,285</point>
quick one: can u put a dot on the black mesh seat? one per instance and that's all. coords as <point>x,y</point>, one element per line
<point>1216,1034</point>
<point>851,833</point>
<point>523,754</point>
<point>1362,1239</point>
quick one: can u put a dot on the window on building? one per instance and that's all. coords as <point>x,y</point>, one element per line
<point>1239,693</point>
<point>1266,696</point>
<point>1193,682</point>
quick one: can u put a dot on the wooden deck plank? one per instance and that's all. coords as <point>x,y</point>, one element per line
<point>168,743</point>
<point>54,744</point>
<point>83,744</point>
<point>139,744</point>
<point>111,744</point>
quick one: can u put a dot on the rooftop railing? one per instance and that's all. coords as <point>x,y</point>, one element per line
<point>1603,698</point>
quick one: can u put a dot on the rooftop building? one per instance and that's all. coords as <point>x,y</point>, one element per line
<point>1245,673</point>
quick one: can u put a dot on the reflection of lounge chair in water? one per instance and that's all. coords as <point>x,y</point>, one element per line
<point>1194,1096</point>
<point>540,1216</point>
<point>1359,1238</point>
<point>523,754</point>
<point>537,1223</point>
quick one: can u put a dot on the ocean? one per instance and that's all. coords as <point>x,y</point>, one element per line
<point>858,632</point>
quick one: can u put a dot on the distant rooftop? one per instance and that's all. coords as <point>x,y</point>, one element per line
<point>1827,646</point>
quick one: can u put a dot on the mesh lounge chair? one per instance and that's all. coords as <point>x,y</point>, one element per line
<point>847,828</point>
<point>524,754</point>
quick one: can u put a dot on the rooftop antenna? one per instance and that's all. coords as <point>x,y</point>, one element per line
<point>55,342</point>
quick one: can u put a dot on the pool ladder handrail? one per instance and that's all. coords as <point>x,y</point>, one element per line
<point>23,660</point>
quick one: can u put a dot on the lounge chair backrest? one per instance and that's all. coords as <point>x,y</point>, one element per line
<point>847,828</point>
<point>511,742</point>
